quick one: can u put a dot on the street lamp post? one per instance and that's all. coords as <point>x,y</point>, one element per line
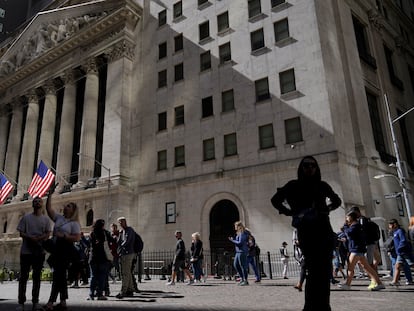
<point>401,177</point>
<point>109,205</point>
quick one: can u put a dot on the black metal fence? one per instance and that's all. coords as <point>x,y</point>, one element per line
<point>157,264</point>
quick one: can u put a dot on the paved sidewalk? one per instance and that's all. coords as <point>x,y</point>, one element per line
<point>276,294</point>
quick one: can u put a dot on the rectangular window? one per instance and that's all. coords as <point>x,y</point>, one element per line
<point>162,160</point>
<point>162,50</point>
<point>179,115</point>
<point>201,2</point>
<point>178,72</point>
<point>162,18</point>
<point>257,39</point>
<point>406,140</point>
<point>281,29</point>
<point>262,89</point>
<point>230,145</point>
<point>293,130</point>
<point>205,61</point>
<point>207,107</point>
<point>287,81</point>
<point>391,70</point>
<point>362,42</point>
<point>208,149</point>
<point>223,22</point>
<point>178,9</point>
<point>225,53</point>
<point>162,78</point>
<point>178,43</point>
<point>179,156</point>
<point>254,8</point>
<point>266,138</point>
<point>162,121</point>
<point>204,30</point>
<point>376,123</point>
<point>227,100</point>
<point>277,2</point>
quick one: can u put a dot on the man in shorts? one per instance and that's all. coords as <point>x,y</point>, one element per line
<point>179,260</point>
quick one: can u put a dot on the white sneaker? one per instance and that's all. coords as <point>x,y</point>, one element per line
<point>344,287</point>
<point>171,283</point>
<point>409,283</point>
<point>191,282</point>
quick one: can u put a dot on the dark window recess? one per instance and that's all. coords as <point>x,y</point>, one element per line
<point>162,121</point>
<point>204,30</point>
<point>207,106</point>
<point>178,43</point>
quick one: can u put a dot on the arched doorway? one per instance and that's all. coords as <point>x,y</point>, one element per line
<point>222,217</point>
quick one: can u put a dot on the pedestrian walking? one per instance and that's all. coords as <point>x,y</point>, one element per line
<point>34,228</point>
<point>242,249</point>
<point>306,198</point>
<point>179,263</point>
<point>357,249</point>
<point>197,256</point>
<point>252,255</point>
<point>284,256</point>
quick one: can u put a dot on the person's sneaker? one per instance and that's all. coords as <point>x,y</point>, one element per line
<point>378,287</point>
<point>395,284</point>
<point>102,298</point>
<point>191,282</point>
<point>244,283</point>
<point>372,285</point>
<point>170,283</point>
<point>20,307</point>
<point>409,283</point>
<point>257,281</point>
<point>74,285</point>
<point>90,298</point>
<point>285,277</point>
<point>344,287</point>
<point>37,307</point>
<point>119,296</point>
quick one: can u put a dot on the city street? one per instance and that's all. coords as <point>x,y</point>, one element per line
<point>276,294</point>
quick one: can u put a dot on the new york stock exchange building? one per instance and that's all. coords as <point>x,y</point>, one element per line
<point>189,114</point>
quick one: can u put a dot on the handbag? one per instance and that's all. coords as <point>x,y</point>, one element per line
<point>107,249</point>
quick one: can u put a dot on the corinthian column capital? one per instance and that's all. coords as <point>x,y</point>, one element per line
<point>91,66</point>
<point>121,49</point>
<point>50,87</point>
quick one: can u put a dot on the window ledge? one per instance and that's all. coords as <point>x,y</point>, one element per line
<point>291,95</point>
<point>204,5</point>
<point>263,101</point>
<point>273,148</point>
<point>179,19</point>
<point>260,51</point>
<point>205,70</point>
<point>281,7</point>
<point>225,32</point>
<point>257,17</point>
<point>205,40</point>
<point>284,42</point>
<point>228,63</point>
<point>293,145</point>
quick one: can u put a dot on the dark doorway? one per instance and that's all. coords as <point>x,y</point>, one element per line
<point>223,215</point>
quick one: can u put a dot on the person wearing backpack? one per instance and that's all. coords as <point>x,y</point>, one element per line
<point>372,235</point>
<point>126,241</point>
<point>252,255</point>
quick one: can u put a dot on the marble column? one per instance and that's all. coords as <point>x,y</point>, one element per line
<point>14,142</point>
<point>47,134</point>
<point>4,133</point>
<point>117,108</point>
<point>67,126</point>
<point>27,161</point>
<point>89,123</point>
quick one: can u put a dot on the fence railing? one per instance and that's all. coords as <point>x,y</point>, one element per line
<point>157,264</point>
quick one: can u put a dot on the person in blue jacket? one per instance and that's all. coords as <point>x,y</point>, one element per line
<point>242,250</point>
<point>402,248</point>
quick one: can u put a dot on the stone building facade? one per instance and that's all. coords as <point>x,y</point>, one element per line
<point>189,114</point>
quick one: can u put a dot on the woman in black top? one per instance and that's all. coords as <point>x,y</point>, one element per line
<point>306,198</point>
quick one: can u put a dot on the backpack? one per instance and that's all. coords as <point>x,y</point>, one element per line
<point>372,231</point>
<point>138,244</point>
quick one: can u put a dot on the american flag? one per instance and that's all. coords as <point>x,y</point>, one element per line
<point>41,181</point>
<point>5,188</point>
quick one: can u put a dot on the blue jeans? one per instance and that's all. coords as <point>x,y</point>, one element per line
<point>406,268</point>
<point>198,271</point>
<point>251,260</point>
<point>99,275</point>
<point>241,266</point>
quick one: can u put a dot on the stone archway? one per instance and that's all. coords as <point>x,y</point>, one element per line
<point>222,217</point>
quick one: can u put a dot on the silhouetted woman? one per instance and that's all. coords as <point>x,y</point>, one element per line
<point>306,198</point>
